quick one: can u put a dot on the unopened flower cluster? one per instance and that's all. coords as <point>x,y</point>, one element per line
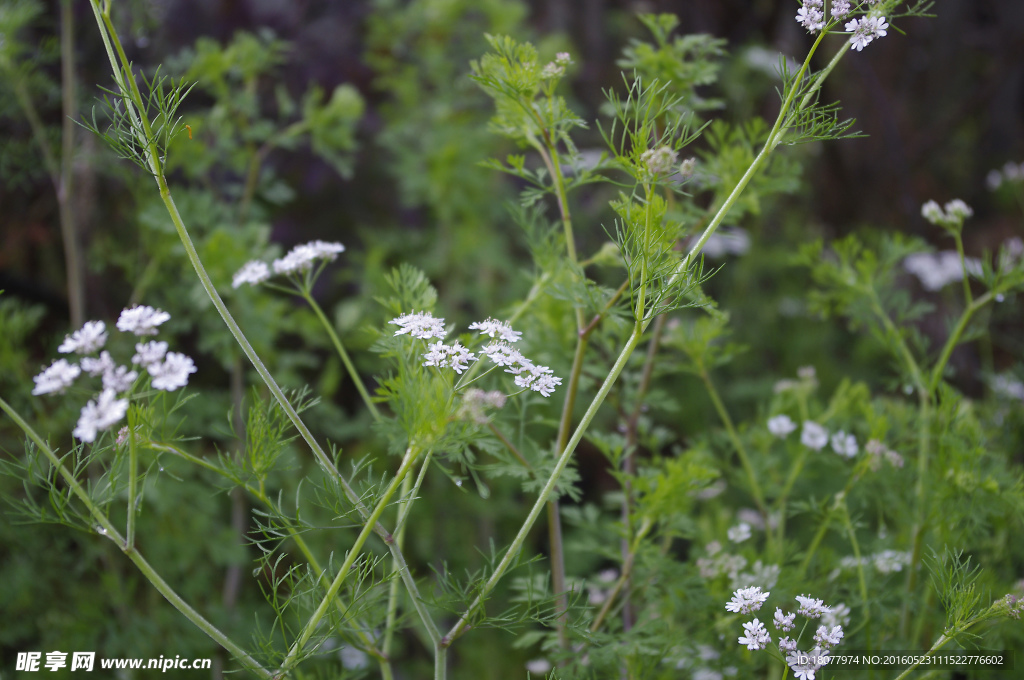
<point>425,326</point>
<point>298,260</point>
<point>757,637</point>
<point>168,370</point>
<point>556,68</point>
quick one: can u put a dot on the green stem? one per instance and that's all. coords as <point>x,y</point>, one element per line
<point>624,577</point>
<point>349,366</point>
<point>775,137</point>
<point>513,550</point>
<point>954,338</point>
<point>737,443</point>
<point>958,237</point>
<point>133,473</point>
<point>108,530</point>
<point>409,493</point>
<point>861,579</point>
<point>353,553</point>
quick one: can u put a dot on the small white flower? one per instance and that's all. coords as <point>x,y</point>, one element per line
<point>783,621</point>
<point>813,435</point>
<point>866,29</point>
<point>958,210</point>
<point>781,426</point>
<point>538,378</point>
<point>888,561</point>
<point>141,320</point>
<point>492,328</point>
<point>805,665</point>
<point>757,636</point>
<point>739,533</point>
<point>810,607</point>
<point>301,257</point>
<point>810,16</point>
<point>826,639</point>
<point>149,353</point>
<point>172,373</point>
<point>840,8</point>
<point>56,378</point>
<point>563,58</point>
<point>460,357</point>
<point>747,600</point>
<point>119,379</point>
<point>786,645</point>
<point>253,273</point>
<point>552,70</point>
<point>844,444</point>
<point>86,340</point>
<point>104,364</point>
<point>100,414</point>
<point>538,666</point>
<point>421,325</point>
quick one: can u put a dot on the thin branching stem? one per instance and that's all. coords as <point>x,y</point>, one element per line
<point>517,544</point>
<point>106,528</point>
<point>349,366</point>
<point>354,552</point>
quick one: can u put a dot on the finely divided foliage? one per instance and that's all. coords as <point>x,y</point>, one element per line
<point>692,510</point>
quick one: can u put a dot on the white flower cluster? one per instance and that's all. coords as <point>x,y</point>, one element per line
<point>739,533</point>
<point>879,452</point>
<point>454,356</point>
<point>840,9</point>
<point>806,379</point>
<point>811,15</point>
<point>168,370</point>
<point>884,562</point>
<point>814,436</point>
<point>528,375</point>
<point>298,260</point>
<point>475,402</point>
<point>866,29</point>
<point>953,214</point>
<point>1011,173</point>
<point>556,68</point>
<point>935,271</point>
<point>756,635</point>
<point>746,600</point>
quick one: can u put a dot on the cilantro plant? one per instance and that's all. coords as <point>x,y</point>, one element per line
<point>857,514</point>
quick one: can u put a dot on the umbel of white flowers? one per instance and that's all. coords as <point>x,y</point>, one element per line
<point>756,636</point>
<point>425,326</point>
<point>167,370</point>
<point>299,260</point>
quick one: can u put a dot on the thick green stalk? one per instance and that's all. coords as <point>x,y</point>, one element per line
<point>513,550</point>
<point>349,366</point>
<point>107,529</point>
